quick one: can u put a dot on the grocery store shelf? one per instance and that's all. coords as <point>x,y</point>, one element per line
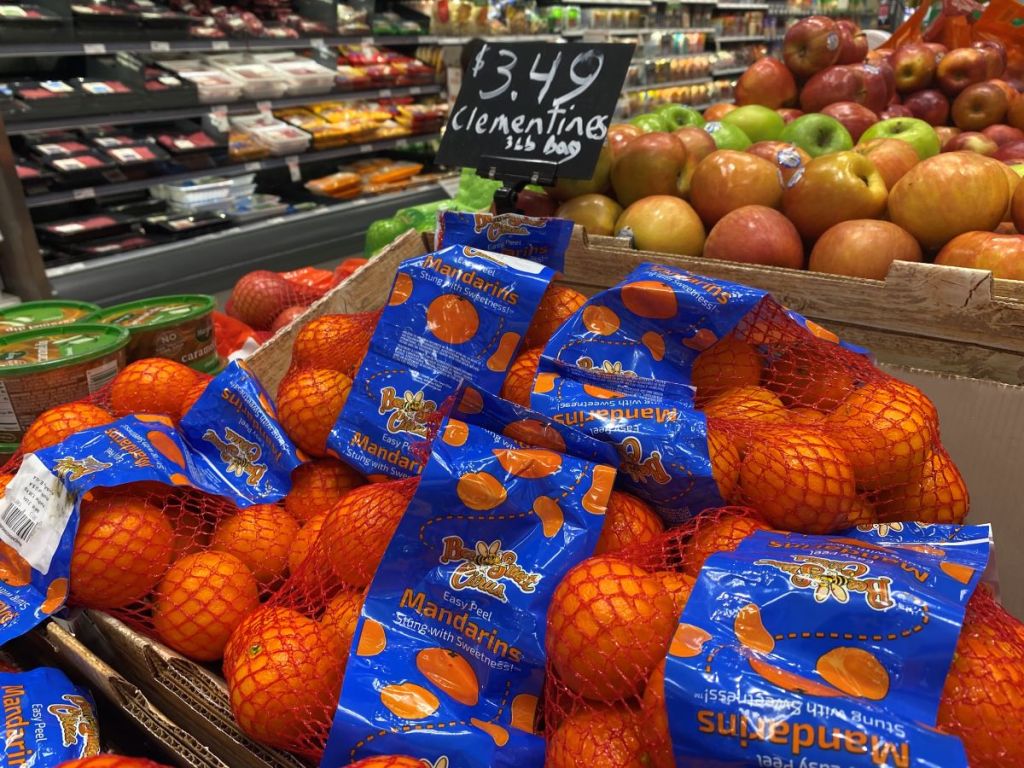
<point>669,57</point>
<point>614,3</point>
<point>161,115</point>
<point>660,86</point>
<point>492,39</point>
<point>728,72</point>
<point>742,6</point>
<point>118,188</point>
<point>741,39</point>
<point>214,262</point>
<point>637,31</point>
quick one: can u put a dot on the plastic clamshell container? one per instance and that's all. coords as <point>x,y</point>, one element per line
<point>258,81</point>
<point>194,192</point>
<point>306,77</point>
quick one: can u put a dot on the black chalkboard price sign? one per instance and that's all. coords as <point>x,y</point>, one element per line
<point>537,110</point>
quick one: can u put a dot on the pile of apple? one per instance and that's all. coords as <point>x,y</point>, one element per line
<point>835,159</point>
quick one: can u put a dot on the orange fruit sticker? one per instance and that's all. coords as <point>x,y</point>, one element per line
<point>529,463</point>
<point>650,298</point>
<point>409,701</point>
<point>401,291</point>
<point>600,320</point>
<point>455,433</point>
<point>750,630</point>
<point>502,356</point>
<point>595,501</point>
<point>524,712</point>
<point>495,731</point>
<point>372,640</point>
<point>856,672</point>
<point>56,594</point>
<point>451,673</point>
<point>790,681</point>
<point>481,491</point>
<point>550,514</point>
<point>655,344</point>
<point>688,641</point>
<point>452,319</point>
<point>535,433</point>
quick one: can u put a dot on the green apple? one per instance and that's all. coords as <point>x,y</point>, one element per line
<point>817,135</point>
<point>1018,169</point>
<point>759,123</point>
<point>727,136</point>
<point>917,133</point>
<point>651,123</point>
<point>679,116</point>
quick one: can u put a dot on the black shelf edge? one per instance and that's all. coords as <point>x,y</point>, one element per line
<point>109,190</point>
<point>214,262</point>
<point>16,127</point>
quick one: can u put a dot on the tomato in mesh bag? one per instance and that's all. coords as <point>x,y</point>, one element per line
<point>542,240</point>
<point>783,418</point>
<point>142,519</point>
<point>448,654</point>
<point>48,719</point>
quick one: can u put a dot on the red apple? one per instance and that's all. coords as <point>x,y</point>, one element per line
<point>766,82</point>
<point>949,194</point>
<point>1011,154</point>
<point>1002,255</point>
<point>726,180</point>
<point>930,105</point>
<point>595,213</point>
<point>1011,92</point>
<point>598,183</point>
<point>698,142</point>
<point>718,111</point>
<point>1013,181</point>
<point>285,316</point>
<point>995,56</point>
<point>961,67</point>
<point>834,188</point>
<point>788,158</point>
<point>863,248</point>
<point>856,118</point>
<point>878,84</point>
<point>979,106</point>
<point>1015,114</point>
<point>946,134</point>
<point>853,44</point>
<point>876,55</point>
<point>939,50</point>
<point>811,45</point>
<point>665,224</point>
<point>896,99</point>
<point>892,158</point>
<point>972,141</point>
<point>915,66</point>
<point>1003,134</point>
<point>789,115</point>
<point>838,83</point>
<point>756,234</point>
<point>651,164</point>
<point>1017,208</point>
<point>620,134</point>
<point>895,110</point>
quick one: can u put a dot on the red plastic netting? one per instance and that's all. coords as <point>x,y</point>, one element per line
<point>267,301</point>
<point>610,624</point>
<point>284,663</point>
<point>112,761</point>
<point>815,437</point>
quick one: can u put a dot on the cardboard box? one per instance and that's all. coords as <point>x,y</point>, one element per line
<point>982,421</point>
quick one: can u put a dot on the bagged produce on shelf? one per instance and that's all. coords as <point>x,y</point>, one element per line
<point>525,237</point>
<point>48,719</point>
<point>783,418</point>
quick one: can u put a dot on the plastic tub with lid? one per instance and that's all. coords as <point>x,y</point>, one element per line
<point>45,314</point>
<point>178,327</point>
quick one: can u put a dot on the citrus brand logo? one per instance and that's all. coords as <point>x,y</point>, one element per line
<point>441,762</point>
<point>77,724</point>
<point>69,468</point>
<point>836,579</point>
<point>884,529</point>
<point>641,468</point>
<point>240,455</point>
<point>15,724</point>
<point>409,413</point>
<point>510,225</point>
<point>607,366</point>
<point>486,568</point>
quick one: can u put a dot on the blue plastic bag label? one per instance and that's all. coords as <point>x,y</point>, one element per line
<point>660,439</point>
<point>461,601</point>
<point>454,315</point>
<point>538,239</point>
<point>831,651</point>
<point>47,719</point>
<point>229,445</point>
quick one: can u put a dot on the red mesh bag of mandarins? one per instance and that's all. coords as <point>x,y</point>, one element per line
<point>792,422</point>
<point>284,663</point>
<point>610,625</point>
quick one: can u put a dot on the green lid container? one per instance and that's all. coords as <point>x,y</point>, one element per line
<point>177,327</point>
<point>46,367</point>
<point>45,314</point>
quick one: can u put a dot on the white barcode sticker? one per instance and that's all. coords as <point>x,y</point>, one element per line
<point>366,148</point>
<point>94,49</point>
<point>293,168</point>
<point>101,375</point>
<point>159,45</point>
<point>8,418</point>
<point>385,93</point>
<point>34,513</point>
<point>221,45</point>
<point>255,165</point>
<point>87,193</point>
<point>264,106</point>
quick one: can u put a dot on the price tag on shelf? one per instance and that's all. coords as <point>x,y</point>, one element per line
<point>94,49</point>
<point>385,93</point>
<point>415,90</point>
<point>221,45</point>
<point>264,106</point>
<point>367,41</point>
<point>86,193</point>
<point>316,42</point>
<point>366,148</point>
<point>536,107</point>
<point>219,118</point>
<point>293,168</point>
<point>254,166</point>
<point>159,46</point>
